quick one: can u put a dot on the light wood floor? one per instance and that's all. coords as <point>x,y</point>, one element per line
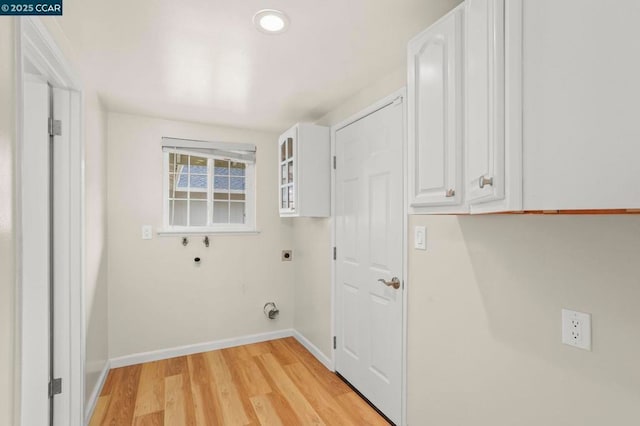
<point>271,383</point>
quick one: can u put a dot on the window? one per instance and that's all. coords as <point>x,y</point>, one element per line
<point>208,186</point>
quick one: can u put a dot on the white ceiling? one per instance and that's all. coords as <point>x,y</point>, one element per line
<point>204,61</point>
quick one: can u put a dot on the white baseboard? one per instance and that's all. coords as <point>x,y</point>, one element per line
<point>95,393</point>
<point>139,358</point>
<point>320,356</point>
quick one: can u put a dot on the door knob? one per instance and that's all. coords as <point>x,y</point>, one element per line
<point>485,181</point>
<point>395,282</point>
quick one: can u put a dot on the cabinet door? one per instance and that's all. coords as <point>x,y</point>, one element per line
<point>484,101</point>
<point>435,117</point>
<point>287,154</point>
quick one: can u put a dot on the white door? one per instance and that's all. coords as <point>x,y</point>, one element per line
<point>369,253</point>
<point>46,255</point>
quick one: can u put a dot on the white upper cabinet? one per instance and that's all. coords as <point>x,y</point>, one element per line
<point>435,122</point>
<point>493,131</point>
<point>304,171</point>
<point>581,104</point>
<point>484,100</point>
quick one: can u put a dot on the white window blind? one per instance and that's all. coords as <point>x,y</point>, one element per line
<point>243,152</point>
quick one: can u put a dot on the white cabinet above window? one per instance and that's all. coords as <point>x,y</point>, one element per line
<point>304,171</point>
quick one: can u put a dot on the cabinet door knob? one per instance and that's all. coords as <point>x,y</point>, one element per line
<point>485,181</point>
<point>450,193</point>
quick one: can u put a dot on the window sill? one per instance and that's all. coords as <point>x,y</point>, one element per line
<point>212,231</point>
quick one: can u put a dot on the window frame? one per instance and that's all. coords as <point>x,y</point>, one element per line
<point>212,228</point>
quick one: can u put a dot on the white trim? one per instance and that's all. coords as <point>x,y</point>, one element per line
<point>35,44</point>
<point>212,231</point>
<point>387,100</point>
<point>95,393</point>
<point>138,358</point>
<point>313,349</point>
<point>193,143</point>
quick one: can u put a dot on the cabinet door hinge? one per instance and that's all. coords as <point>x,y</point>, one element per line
<point>335,253</point>
<point>334,162</point>
<point>334,342</point>
<point>55,127</point>
<point>55,387</point>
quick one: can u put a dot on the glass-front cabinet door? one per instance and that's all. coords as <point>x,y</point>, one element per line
<point>287,173</point>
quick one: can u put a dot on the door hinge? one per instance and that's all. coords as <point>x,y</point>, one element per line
<point>334,162</point>
<point>55,387</point>
<point>335,253</point>
<point>55,127</point>
<point>334,342</point>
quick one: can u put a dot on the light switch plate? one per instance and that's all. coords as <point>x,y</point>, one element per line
<point>147,232</point>
<point>576,329</point>
<point>420,237</point>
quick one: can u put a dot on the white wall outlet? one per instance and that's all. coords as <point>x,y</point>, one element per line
<point>576,329</point>
<point>420,237</point>
<point>147,232</point>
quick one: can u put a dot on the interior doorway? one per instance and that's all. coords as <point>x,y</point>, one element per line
<point>369,267</point>
<point>50,237</point>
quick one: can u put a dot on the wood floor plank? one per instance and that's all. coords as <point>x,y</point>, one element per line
<point>233,411</point>
<point>265,410</point>
<point>282,352</point>
<point>178,402</point>
<point>246,371</point>
<point>123,396</point>
<point>256,349</point>
<point>177,365</point>
<point>114,376</point>
<point>150,419</point>
<point>150,397</point>
<point>324,403</point>
<point>206,403</point>
<point>361,410</point>
<point>245,388</point>
<point>286,413</point>
<point>100,411</point>
<point>300,405</point>
<point>332,383</point>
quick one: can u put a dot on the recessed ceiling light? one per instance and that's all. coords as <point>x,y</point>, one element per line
<point>271,21</point>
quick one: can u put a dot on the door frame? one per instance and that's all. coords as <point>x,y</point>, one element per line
<point>387,100</point>
<point>35,44</point>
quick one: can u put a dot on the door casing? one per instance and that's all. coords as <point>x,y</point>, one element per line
<point>359,115</point>
<point>34,45</point>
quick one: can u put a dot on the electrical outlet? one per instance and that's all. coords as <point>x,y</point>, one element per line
<point>576,329</point>
<point>147,232</point>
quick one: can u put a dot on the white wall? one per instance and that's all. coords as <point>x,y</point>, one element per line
<point>7,224</point>
<point>158,297</point>
<point>96,294</point>
<point>484,321</point>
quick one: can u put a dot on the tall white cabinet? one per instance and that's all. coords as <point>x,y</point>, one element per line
<point>435,117</point>
<point>304,171</point>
